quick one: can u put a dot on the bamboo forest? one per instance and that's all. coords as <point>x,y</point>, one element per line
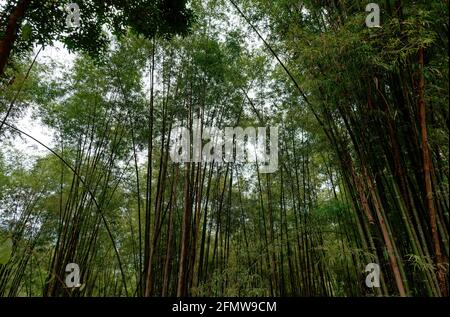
<point>224,148</point>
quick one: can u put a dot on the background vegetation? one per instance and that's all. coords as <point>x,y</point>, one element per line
<point>363,153</point>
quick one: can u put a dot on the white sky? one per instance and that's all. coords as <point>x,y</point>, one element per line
<point>61,55</point>
<point>31,125</point>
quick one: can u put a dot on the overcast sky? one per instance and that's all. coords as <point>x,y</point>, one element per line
<point>58,53</point>
<point>31,125</point>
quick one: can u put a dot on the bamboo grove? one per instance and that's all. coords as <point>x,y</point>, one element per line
<point>363,155</point>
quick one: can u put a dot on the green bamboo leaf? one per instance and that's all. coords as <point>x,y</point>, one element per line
<point>26,32</point>
<point>5,251</point>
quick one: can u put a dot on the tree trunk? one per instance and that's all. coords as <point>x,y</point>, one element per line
<point>7,42</point>
<point>427,179</point>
